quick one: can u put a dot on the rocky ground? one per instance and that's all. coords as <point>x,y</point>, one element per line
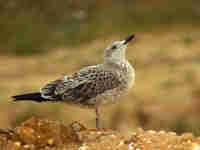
<point>42,134</point>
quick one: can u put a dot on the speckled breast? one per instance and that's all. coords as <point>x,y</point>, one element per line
<point>126,75</point>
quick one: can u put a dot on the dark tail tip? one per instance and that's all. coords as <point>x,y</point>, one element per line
<point>15,98</point>
<point>29,97</point>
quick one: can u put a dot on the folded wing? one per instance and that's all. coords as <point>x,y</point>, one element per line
<point>81,86</point>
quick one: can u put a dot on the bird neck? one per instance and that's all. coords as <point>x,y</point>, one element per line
<point>116,57</point>
<point>114,62</point>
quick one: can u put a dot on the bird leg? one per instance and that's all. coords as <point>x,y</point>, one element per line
<point>97,118</point>
<point>104,133</point>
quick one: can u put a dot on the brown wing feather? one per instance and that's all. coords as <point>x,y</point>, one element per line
<point>81,86</point>
<point>92,83</point>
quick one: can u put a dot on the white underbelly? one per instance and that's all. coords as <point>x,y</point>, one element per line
<point>110,96</point>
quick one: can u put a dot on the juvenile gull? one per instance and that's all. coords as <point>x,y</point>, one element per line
<point>92,86</point>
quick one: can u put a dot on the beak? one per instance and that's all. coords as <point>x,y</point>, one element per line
<point>128,39</point>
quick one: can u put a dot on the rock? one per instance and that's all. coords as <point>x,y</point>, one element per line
<point>43,134</point>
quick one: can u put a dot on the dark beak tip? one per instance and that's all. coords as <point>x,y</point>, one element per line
<point>129,38</point>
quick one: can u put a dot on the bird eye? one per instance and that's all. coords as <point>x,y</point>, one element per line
<point>114,47</point>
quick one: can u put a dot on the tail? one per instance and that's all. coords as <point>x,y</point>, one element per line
<point>30,97</point>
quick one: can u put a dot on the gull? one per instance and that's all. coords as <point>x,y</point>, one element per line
<point>92,86</point>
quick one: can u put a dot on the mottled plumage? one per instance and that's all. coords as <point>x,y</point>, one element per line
<point>94,85</point>
<point>81,86</point>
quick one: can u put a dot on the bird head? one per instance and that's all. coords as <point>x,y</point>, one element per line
<point>116,51</point>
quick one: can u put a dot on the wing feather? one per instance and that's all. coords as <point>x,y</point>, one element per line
<point>81,86</point>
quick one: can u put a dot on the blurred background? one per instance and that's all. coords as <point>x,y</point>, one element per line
<point>41,41</point>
